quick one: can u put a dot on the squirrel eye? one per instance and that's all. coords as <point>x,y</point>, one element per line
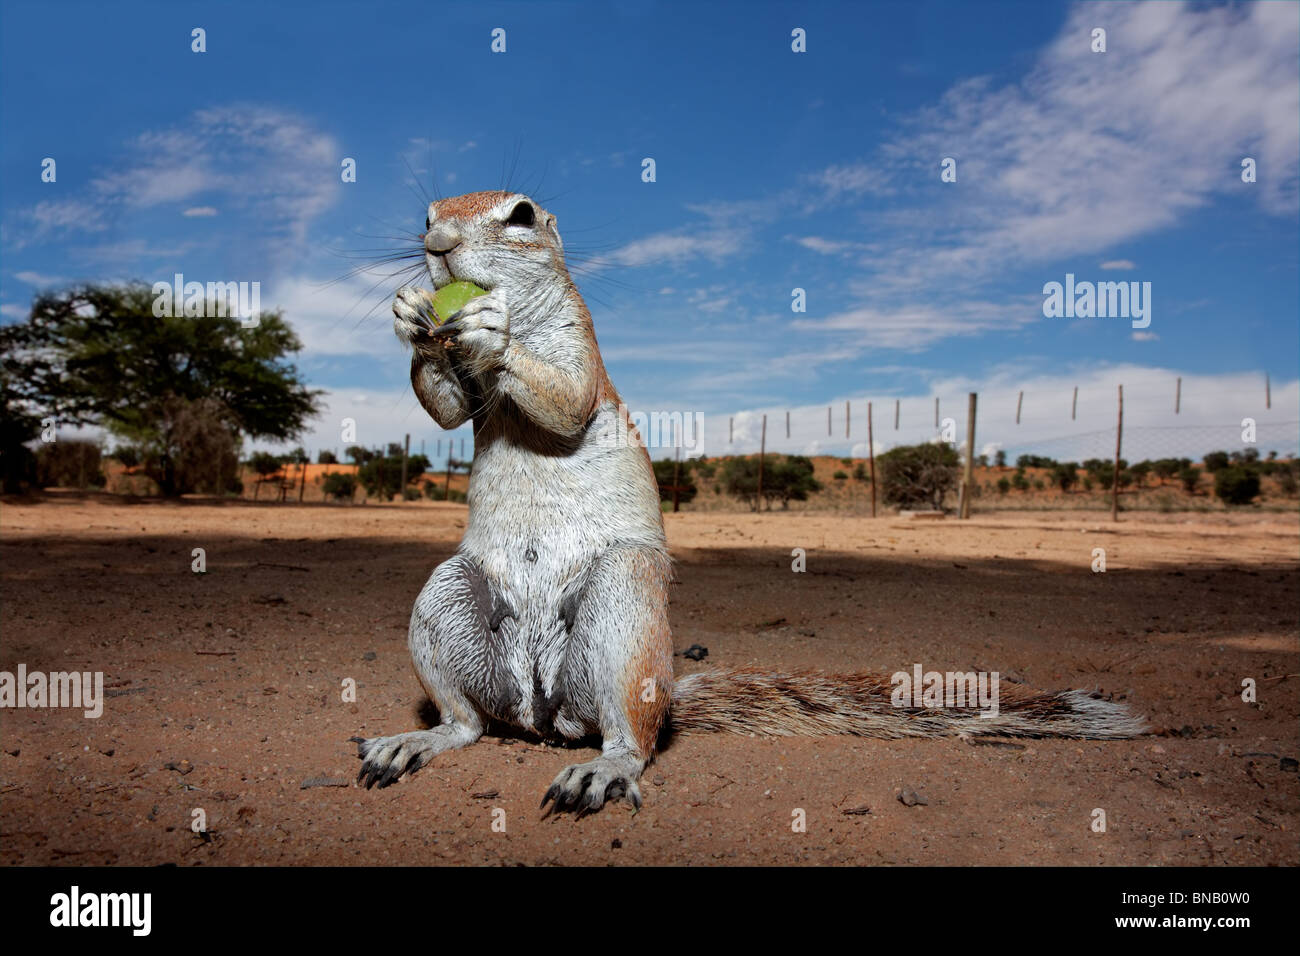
<point>522,215</point>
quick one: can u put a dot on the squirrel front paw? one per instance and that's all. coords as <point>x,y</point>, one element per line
<point>411,315</point>
<point>481,332</point>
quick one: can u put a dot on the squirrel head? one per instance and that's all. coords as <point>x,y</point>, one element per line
<point>500,241</point>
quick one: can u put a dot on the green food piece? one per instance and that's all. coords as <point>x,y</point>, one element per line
<point>451,298</point>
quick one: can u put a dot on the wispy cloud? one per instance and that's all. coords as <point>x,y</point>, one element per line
<point>37,278</point>
<point>1089,150</point>
<point>266,163</point>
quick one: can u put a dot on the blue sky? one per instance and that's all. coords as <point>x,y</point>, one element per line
<point>775,170</point>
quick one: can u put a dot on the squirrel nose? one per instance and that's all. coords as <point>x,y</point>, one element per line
<point>441,238</point>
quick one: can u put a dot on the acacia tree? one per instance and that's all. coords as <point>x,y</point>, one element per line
<point>100,356</point>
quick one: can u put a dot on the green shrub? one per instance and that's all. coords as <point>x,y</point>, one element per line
<point>1190,477</point>
<point>1035,461</point>
<point>1236,485</point>
<point>665,470</point>
<point>1065,475</point>
<point>918,475</point>
<point>1216,461</point>
<point>840,475</point>
<point>786,478</point>
<point>340,486</point>
<point>381,476</point>
<point>1004,485</point>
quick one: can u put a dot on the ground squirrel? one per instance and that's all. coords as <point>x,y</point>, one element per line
<point>553,614</point>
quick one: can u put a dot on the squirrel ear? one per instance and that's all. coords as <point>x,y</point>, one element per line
<point>550,222</point>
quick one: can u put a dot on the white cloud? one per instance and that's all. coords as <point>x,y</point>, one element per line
<point>13,311</point>
<point>852,178</point>
<point>920,325</point>
<point>1212,407</point>
<point>1090,150</point>
<point>349,317</point>
<point>265,162</point>
<point>1145,337</point>
<point>198,212</point>
<point>670,248</point>
<point>828,247</point>
<point>37,278</point>
<point>1118,264</point>
<point>381,416</point>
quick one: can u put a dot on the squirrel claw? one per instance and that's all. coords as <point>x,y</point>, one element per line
<point>585,788</point>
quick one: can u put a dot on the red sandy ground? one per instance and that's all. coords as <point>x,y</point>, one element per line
<point>233,678</point>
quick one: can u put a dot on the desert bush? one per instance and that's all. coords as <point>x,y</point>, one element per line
<point>1216,461</point>
<point>1236,485</point>
<point>340,486</point>
<point>1035,461</point>
<point>196,449</point>
<point>1190,477</point>
<point>786,478</point>
<point>918,475</point>
<point>381,476</point>
<point>665,470</point>
<point>70,463</point>
<point>1065,475</point>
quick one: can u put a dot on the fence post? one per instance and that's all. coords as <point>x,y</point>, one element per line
<point>762,449</point>
<point>1020,400</point>
<point>1178,394</point>
<point>969,479</point>
<point>406,453</point>
<point>446,487</point>
<point>1074,405</point>
<point>677,477</point>
<point>871,456</point>
<point>846,422</point>
<point>1119,433</point>
<point>895,414</point>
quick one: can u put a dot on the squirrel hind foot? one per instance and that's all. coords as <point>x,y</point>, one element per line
<point>584,788</point>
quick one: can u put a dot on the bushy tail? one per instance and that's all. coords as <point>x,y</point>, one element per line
<point>806,704</point>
